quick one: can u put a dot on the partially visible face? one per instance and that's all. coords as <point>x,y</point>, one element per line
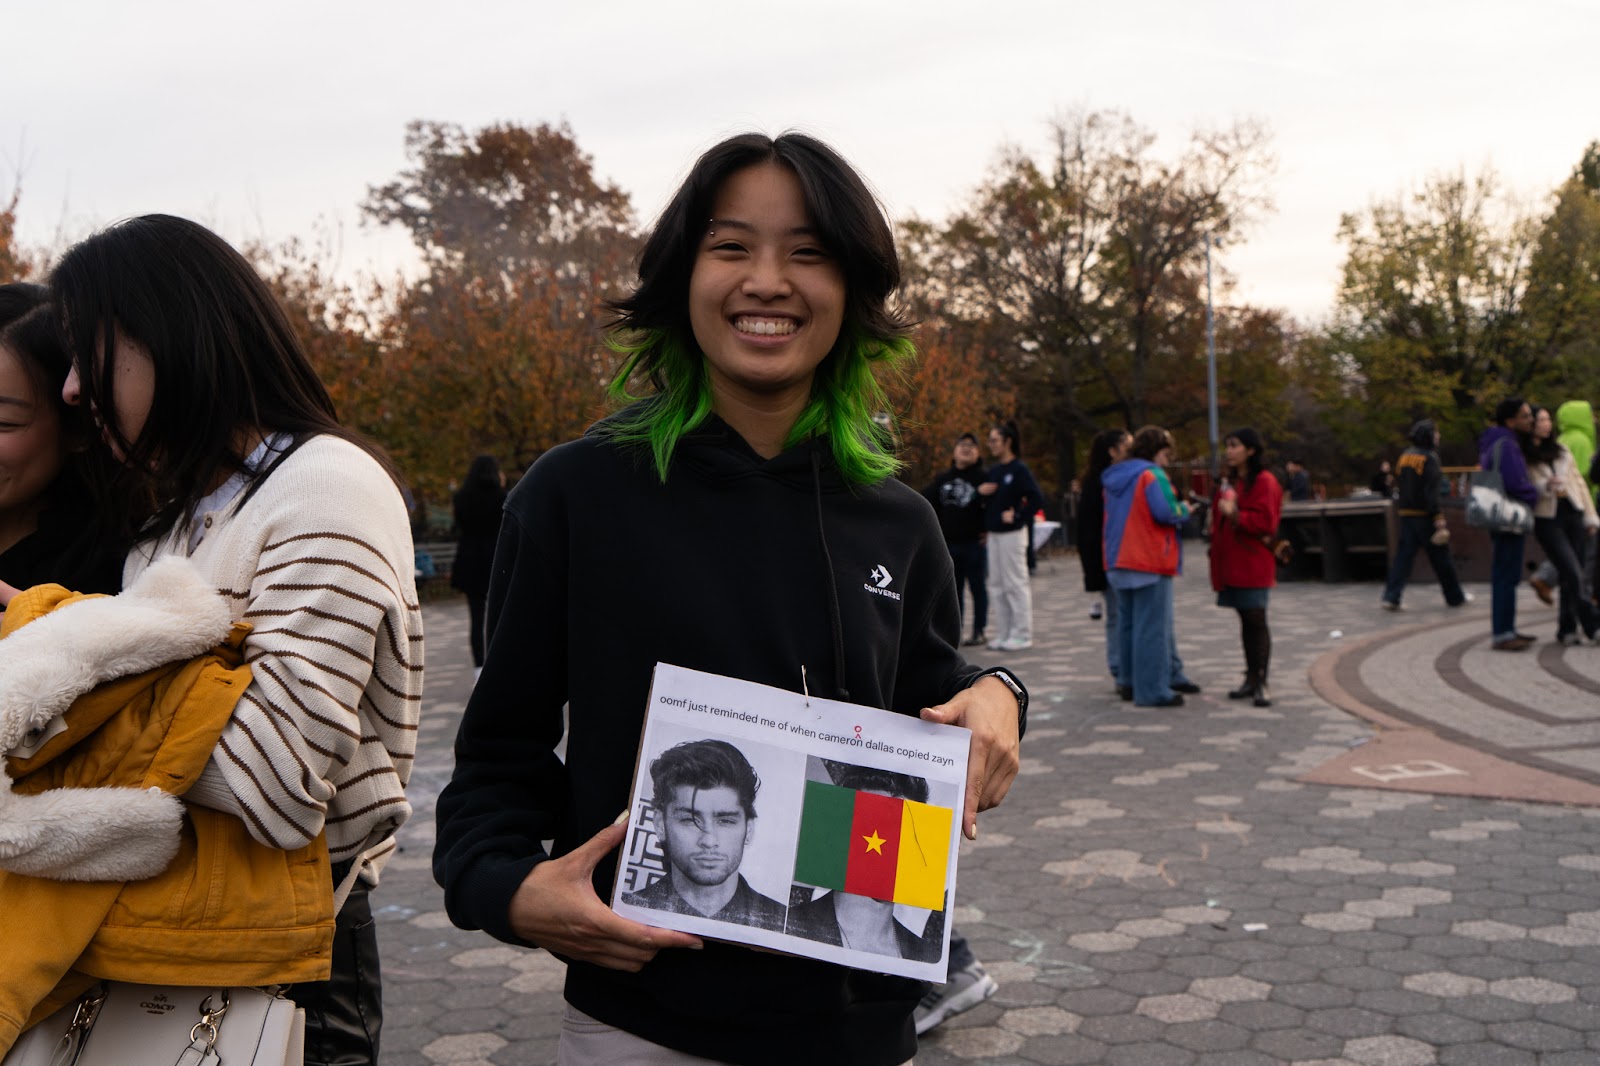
<point>1542,426</point>
<point>766,298</point>
<point>133,389</point>
<point>705,832</point>
<point>997,443</point>
<point>30,436</point>
<point>1523,421</point>
<point>966,453</point>
<point>1119,450</point>
<point>1234,453</point>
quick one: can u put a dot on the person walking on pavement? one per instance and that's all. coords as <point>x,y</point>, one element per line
<point>1244,521</point>
<point>1013,497</point>
<point>1575,432</point>
<point>1564,522</point>
<point>1418,484</point>
<point>1143,554</point>
<point>1500,448</point>
<point>956,497</point>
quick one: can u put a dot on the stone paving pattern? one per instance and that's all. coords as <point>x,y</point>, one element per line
<point>1159,889</point>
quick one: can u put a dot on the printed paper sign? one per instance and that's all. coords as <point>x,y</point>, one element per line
<point>806,825</point>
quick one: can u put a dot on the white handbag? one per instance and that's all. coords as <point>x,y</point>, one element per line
<point>121,1024</point>
<point>117,1023</point>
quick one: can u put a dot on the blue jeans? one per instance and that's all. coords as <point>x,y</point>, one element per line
<point>1144,638</point>
<point>1113,649</point>
<point>1505,573</point>
<point>1416,531</point>
<point>972,571</point>
<point>1113,659</point>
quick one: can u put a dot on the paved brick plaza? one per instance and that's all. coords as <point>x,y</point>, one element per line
<point>1161,889</point>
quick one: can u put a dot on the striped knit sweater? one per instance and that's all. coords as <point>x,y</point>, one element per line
<point>319,561</point>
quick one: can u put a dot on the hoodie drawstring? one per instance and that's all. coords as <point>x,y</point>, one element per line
<point>835,622</point>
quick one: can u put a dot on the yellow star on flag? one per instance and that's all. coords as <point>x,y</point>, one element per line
<point>874,842</point>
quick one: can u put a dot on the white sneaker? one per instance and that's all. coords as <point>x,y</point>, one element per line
<point>995,645</point>
<point>966,989</point>
<point>1015,644</point>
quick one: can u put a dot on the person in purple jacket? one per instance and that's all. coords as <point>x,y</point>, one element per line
<point>1500,448</point>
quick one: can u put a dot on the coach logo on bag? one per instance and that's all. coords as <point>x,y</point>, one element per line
<point>158,1005</point>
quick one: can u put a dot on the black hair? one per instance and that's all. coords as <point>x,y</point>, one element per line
<point>1507,409</point>
<point>1100,454</point>
<point>226,356</point>
<point>872,779</point>
<point>703,764</point>
<point>1422,433</point>
<point>1148,442</point>
<point>1013,436</point>
<point>651,326</point>
<point>1255,457</point>
<point>83,556</point>
<point>1540,451</point>
<point>482,474</point>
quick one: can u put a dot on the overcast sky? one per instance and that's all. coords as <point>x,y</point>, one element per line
<point>271,120</point>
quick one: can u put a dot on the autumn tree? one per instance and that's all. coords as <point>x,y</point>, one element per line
<point>1561,308</point>
<point>497,348</point>
<point>14,265</point>
<point>1086,266</point>
<point>502,200</point>
<point>1427,318</point>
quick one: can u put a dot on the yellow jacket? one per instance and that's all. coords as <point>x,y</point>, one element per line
<point>175,894</point>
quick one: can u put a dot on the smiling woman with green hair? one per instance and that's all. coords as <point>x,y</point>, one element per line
<point>738,517</point>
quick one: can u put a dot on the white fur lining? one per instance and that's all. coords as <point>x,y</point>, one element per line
<point>169,614</point>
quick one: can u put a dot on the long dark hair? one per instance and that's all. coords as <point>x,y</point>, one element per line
<point>1008,430</point>
<point>1540,451</point>
<point>482,485</point>
<point>80,551</point>
<point>1100,454</point>
<point>651,326</point>
<point>226,356</point>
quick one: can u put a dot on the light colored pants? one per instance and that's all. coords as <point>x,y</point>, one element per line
<point>1009,592</point>
<point>586,1042</point>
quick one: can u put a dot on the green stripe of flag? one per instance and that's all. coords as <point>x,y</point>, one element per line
<point>824,848</point>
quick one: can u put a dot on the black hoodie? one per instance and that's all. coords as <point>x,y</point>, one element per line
<point>601,572</point>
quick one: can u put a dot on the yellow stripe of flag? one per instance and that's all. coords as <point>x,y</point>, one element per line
<point>924,855</point>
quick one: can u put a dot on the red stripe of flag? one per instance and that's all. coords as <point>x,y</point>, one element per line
<point>874,846</point>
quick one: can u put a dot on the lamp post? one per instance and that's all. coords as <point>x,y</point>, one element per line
<point>1211,362</point>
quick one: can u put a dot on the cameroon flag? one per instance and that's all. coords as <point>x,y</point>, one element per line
<point>872,845</point>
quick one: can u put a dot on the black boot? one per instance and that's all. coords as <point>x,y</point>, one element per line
<point>1246,690</point>
<point>1261,697</point>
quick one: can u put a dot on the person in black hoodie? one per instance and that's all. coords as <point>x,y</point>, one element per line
<point>765,537</point>
<point>955,496</point>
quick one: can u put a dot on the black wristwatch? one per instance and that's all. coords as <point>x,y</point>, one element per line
<point>1009,680</point>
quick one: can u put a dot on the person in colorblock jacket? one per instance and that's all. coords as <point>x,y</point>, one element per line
<point>1142,555</point>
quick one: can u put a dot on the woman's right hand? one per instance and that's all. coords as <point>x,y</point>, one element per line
<point>557,909</point>
<point>6,594</point>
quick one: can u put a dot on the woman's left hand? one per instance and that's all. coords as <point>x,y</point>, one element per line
<point>6,593</point>
<point>989,709</point>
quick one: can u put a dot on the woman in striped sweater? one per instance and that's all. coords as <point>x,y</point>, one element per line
<point>201,388</point>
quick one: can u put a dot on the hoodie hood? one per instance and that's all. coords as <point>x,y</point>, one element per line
<point>715,452</point>
<point>1577,417</point>
<point>1119,478</point>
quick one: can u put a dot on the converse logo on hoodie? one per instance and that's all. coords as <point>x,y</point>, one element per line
<point>881,579</point>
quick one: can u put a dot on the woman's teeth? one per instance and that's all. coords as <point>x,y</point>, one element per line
<point>766,326</point>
